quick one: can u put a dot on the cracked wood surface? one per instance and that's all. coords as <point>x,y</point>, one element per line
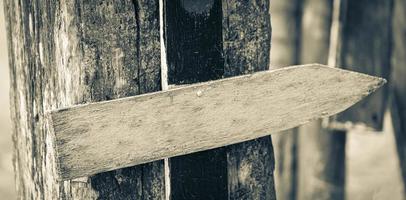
<point>108,135</point>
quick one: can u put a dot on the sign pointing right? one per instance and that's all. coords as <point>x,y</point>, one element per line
<point>114,134</point>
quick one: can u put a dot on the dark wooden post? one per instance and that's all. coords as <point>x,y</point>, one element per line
<point>71,52</point>
<point>207,40</point>
<point>398,82</point>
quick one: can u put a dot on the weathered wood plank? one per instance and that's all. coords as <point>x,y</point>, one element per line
<point>366,48</point>
<point>71,52</point>
<point>286,15</point>
<point>246,49</point>
<point>398,82</point>
<point>102,136</point>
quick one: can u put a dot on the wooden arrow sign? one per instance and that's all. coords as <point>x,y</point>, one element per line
<point>114,134</point>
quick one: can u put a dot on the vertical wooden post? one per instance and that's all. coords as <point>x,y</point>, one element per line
<point>321,154</point>
<point>362,47</point>
<point>286,15</point>
<point>398,82</point>
<point>207,40</point>
<point>71,52</point>
<point>246,48</point>
<point>366,48</point>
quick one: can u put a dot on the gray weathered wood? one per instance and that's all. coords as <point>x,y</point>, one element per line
<point>398,82</point>
<point>366,48</point>
<point>71,52</point>
<point>108,135</point>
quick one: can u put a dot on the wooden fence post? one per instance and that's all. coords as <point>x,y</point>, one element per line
<point>207,40</point>
<point>364,48</point>
<point>398,82</point>
<point>321,155</point>
<point>71,52</point>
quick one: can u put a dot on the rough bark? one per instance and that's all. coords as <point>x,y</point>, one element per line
<point>366,48</point>
<point>72,52</point>
<point>286,16</point>
<point>220,39</point>
<point>398,82</point>
<point>321,154</point>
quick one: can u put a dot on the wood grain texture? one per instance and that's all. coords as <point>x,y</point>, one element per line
<point>321,152</point>
<point>286,15</point>
<point>366,48</point>
<point>72,52</point>
<point>102,136</point>
<point>398,82</point>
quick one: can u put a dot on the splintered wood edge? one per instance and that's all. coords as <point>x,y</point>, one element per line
<point>59,160</point>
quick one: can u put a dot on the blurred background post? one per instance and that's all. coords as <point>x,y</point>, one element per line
<point>7,190</point>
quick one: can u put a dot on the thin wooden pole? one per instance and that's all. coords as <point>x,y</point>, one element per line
<point>164,86</point>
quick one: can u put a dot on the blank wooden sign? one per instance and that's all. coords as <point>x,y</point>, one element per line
<point>114,134</point>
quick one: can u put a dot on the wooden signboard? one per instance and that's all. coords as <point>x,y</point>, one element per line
<point>119,133</point>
